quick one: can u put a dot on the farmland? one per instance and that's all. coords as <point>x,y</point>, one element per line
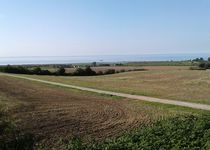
<point>104,75</point>
<point>171,82</point>
<point>44,116</point>
<point>48,111</point>
<point>51,113</point>
<point>103,69</point>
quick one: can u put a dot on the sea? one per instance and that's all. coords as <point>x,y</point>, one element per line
<point>98,58</point>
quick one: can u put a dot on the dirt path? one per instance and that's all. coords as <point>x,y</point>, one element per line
<point>137,97</point>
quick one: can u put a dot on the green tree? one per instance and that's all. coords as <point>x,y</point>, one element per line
<point>61,71</point>
<point>37,70</point>
<point>89,71</point>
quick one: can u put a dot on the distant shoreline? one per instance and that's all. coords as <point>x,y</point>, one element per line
<point>31,60</point>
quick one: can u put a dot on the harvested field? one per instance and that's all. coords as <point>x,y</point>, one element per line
<point>165,68</point>
<point>52,113</point>
<point>178,83</point>
<point>103,69</point>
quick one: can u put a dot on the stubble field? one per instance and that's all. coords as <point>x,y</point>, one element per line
<point>178,83</point>
<point>52,113</point>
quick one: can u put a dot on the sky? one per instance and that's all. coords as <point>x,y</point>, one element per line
<point>103,27</point>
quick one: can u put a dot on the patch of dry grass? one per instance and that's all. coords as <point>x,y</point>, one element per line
<point>178,83</point>
<point>103,69</point>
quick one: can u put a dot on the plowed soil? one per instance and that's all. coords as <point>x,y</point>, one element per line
<point>52,113</point>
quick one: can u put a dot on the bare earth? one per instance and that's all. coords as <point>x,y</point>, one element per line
<point>144,98</point>
<point>52,113</point>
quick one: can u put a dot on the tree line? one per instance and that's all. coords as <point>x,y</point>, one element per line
<point>204,64</point>
<point>87,71</point>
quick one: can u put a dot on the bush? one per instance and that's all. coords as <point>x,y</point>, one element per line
<point>61,71</point>
<point>11,139</point>
<point>39,71</point>
<point>36,70</point>
<point>202,65</point>
<point>84,72</point>
<point>79,72</point>
<point>104,65</point>
<point>196,68</point>
<point>208,65</point>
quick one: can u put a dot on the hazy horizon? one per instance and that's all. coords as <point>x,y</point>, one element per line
<point>196,54</point>
<point>98,58</point>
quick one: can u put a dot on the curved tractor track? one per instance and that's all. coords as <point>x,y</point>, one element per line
<point>52,113</point>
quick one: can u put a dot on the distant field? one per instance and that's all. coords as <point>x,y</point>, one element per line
<point>52,113</point>
<point>162,63</point>
<point>132,65</point>
<point>103,69</point>
<point>170,82</point>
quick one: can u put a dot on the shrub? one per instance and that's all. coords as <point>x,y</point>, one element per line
<point>104,65</point>
<point>208,65</point>
<point>196,68</point>
<point>45,72</point>
<point>10,138</point>
<point>89,71</point>
<point>39,71</point>
<point>61,71</point>
<point>84,72</point>
<point>36,70</point>
<point>79,72</point>
<point>202,65</point>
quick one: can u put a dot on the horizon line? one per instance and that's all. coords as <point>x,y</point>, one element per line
<point>106,55</point>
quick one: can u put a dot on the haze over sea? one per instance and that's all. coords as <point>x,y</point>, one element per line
<point>98,58</point>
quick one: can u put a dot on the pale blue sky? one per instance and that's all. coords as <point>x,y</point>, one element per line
<point>103,27</point>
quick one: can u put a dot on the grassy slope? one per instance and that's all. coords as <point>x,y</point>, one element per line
<point>175,83</point>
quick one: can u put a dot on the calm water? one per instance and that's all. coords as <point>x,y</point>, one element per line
<point>98,58</point>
